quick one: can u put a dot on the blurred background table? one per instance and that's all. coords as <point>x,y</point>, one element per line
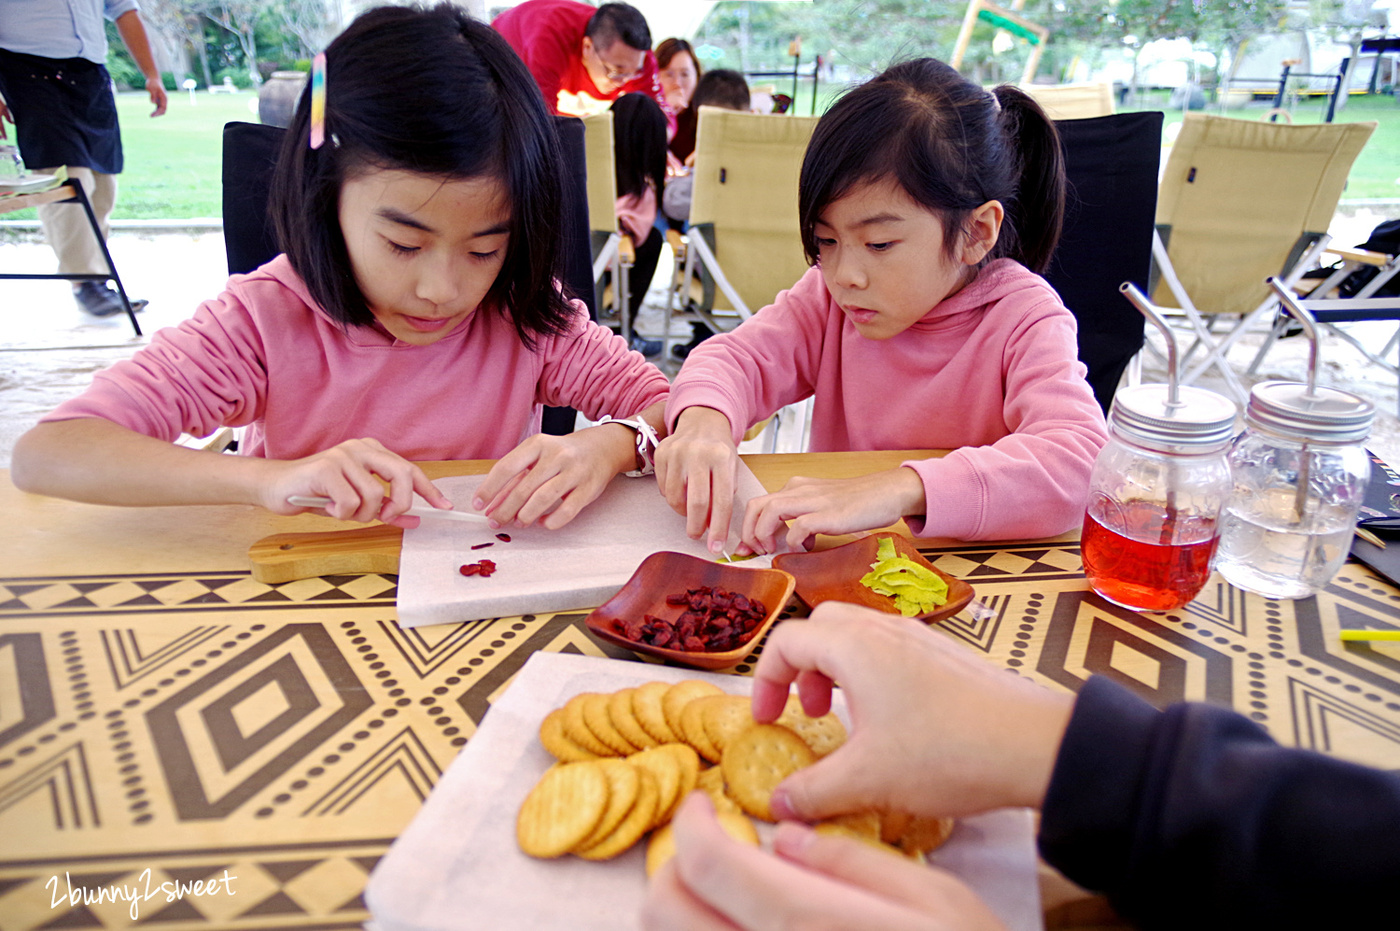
<point>165,718</point>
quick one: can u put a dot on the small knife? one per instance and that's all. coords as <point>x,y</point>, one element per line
<point>315,501</point>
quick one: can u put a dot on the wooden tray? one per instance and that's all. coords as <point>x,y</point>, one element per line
<point>834,575</point>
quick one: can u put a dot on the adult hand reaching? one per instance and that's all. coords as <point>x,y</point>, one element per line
<point>935,729</point>
<point>810,880</point>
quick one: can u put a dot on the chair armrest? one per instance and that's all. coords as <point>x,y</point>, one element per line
<point>1360,256</point>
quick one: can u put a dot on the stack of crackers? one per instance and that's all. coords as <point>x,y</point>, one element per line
<point>628,758</point>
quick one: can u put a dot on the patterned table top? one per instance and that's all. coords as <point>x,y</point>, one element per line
<point>240,755</point>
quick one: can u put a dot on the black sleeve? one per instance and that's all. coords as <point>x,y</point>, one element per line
<point>1194,818</point>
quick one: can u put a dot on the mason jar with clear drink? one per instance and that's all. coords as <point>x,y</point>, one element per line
<point>1299,473</point>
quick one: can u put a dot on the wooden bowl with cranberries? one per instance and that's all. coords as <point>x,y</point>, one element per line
<point>692,611</point>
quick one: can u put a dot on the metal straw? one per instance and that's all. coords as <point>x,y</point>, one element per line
<point>1146,308</point>
<point>1309,325</point>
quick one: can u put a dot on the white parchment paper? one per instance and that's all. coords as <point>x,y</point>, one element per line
<point>457,865</point>
<point>580,565</point>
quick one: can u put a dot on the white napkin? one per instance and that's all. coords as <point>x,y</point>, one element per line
<point>457,865</point>
<point>580,565</point>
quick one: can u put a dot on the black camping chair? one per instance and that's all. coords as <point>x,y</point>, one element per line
<point>250,154</point>
<point>1112,165</point>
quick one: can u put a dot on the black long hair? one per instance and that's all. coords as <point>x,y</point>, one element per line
<point>952,146</point>
<point>435,92</point>
<point>639,128</point>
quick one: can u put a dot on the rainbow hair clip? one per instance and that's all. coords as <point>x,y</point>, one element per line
<point>318,100</point>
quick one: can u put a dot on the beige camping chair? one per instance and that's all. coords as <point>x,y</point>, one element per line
<point>612,251</point>
<point>1240,201</point>
<point>743,212</point>
<point>743,235</point>
<point>1073,101</point>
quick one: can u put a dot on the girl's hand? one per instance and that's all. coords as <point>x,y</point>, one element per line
<point>810,880</point>
<point>831,505</point>
<point>935,729</point>
<point>550,479</point>
<point>350,475</point>
<point>697,469</point>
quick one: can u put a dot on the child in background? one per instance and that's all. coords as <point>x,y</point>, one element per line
<point>923,324</point>
<point>718,88</point>
<point>414,314</point>
<point>639,128</point>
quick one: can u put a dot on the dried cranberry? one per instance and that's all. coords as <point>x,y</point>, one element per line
<point>482,546</point>
<point>470,569</point>
<point>503,537</point>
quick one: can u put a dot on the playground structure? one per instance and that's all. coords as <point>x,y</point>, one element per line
<point>1009,20</point>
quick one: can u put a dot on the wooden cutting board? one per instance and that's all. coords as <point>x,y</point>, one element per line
<point>286,557</point>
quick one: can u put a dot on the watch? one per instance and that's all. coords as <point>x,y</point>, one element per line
<point>646,443</point>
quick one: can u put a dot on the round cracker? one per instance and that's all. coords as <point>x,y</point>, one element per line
<point>923,834</point>
<point>724,717</point>
<point>563,808</point>
<point>558,743</point>
<point>630,830</point>
<point>693,727</point>
<point>599,721</point>
<point>711,781</point>
<point>578,731</point>
<point>663,843</point>
<point>646,706</point>
<point>757,760</point>
<point>624,784</point>
<point>823,734</point>
<point>665,767</point>
<point>620,712</point>
<point>688,762</point>
<point>680,695</point>
<point>839,829</point>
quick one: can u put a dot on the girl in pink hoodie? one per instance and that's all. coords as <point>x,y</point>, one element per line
<point>928,206</point>
<point>414,314</point>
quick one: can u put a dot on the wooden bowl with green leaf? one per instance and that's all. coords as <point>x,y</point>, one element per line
<point>835,575</point>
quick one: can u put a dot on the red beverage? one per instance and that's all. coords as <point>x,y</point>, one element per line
<point>1138,571</point>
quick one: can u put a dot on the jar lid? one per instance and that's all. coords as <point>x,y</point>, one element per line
<point>1328,415</point>
<point>1200,419</point>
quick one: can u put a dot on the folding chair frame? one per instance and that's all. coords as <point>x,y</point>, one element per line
<point>75,195</point>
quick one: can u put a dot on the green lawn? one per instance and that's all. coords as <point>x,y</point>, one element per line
<point>172,163</point>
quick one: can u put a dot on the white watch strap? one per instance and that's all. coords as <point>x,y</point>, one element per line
<point>646,441</point>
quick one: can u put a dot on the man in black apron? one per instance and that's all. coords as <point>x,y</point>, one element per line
<point>57,92</point>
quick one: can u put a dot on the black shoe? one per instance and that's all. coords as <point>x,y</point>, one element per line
<point>97,299</point>
<point>647,347</point>
<point>699,332</point>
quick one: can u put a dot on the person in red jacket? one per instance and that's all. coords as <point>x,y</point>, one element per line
<point>582,57</point>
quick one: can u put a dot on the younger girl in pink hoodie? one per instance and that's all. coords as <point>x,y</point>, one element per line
<point>928,205</point>
<point>415,314</point>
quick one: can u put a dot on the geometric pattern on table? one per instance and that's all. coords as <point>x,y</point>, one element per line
<point>213,592</point>
<point>191,723</point>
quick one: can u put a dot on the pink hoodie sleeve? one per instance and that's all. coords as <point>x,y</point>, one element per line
<point>1033,482</point>
<point>194,378</point>
<point>590,368</point>
<point>768,362</point>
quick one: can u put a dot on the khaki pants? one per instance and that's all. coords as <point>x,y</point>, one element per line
<point>66,225</point>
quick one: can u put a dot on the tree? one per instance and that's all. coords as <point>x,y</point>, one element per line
<point>309,21</point>
<point>1346,21</point>
<point>240,19</point>
<point>1217,25</point>
<point>178,27</point>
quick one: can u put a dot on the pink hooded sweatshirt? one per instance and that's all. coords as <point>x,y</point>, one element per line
<point>991,373</point>
<point>265,356</point>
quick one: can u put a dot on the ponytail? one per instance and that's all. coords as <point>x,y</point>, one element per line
<point>952,146</point>
<point>1036,215</point>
